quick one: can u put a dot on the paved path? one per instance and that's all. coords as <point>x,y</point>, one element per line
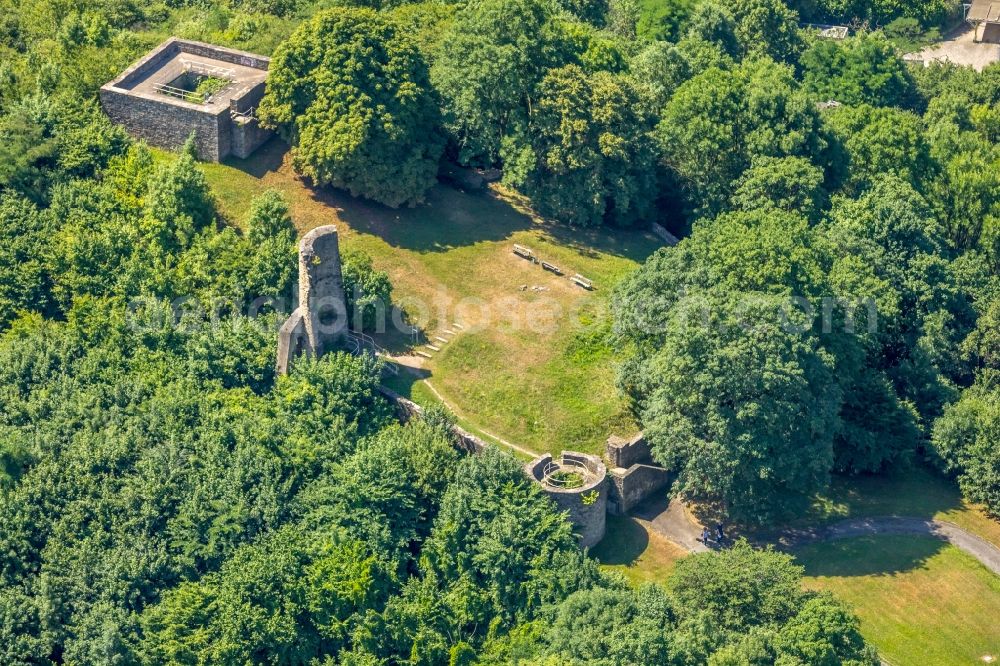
<point>982,550</point>
<point>673,522</point>
<point>961,48</point>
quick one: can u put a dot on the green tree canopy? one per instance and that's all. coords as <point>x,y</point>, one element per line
<point>46,140</point>
<point>658,70</point>
<point>665,20</point>
<point>352,94</point>
<point>612,627</point>
<point>24,253</point>
<point>889,248</point>
<point>967,437</point>
<point>492,56</point>
<point>739,587</point>
<point>789,184</point>
<point>367,290</point>
<point>743,410</point>
<point>713,23</point>
<point>929,13</point>
<point>756,606</point>
<point>767,28</point>
<point>863,69</point>
<point>718,121</point>
<point>726,362</point>
<point>876,142</point>
<point>589,159</point>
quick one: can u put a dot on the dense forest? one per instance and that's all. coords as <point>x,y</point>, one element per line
<point>834,306</point>
<point>165,499</point>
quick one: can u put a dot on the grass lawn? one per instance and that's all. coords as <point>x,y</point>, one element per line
<point>916,491</point>
<point>920,600</point>
<point>532,365</point>
<point>641,555</point>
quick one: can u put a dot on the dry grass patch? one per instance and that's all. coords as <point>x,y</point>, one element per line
<point>631,549</point>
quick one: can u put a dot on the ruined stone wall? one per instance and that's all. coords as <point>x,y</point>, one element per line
<point>224,130</point>
<point>634,476</point>
<point>149,63</point>
<point>589,518</point>
<point>319,323</point>
<point>630,487</point>
<point>248,136</point>
<point>407,409</point>
<point>664,235</point>
<point>250,99</point>
<point>291,341</point>
<point>627,452</point>
<point>168,125</point>
<point>321,289</point>
<point>247,133</point>
<point>224,54</point>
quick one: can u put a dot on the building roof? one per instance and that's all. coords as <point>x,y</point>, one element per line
<point>984,11</point>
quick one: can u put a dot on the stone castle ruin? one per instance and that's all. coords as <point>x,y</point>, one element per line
<point>580,484</point>
<point>183,87</point>
<point>633,474</point>
<point>583,485</point>
<point>319,323</point>
<point>576,482</point>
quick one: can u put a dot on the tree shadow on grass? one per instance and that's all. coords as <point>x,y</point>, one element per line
<point>637,244</point>
<point>914,490</point>
<point>450,218</point>
<point>906,491</point>
<point>395,332</point>
<point>403,381</point>
<point>625,540</point>
<point>877,555</point>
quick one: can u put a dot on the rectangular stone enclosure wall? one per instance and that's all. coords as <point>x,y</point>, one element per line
<point>225,124</point>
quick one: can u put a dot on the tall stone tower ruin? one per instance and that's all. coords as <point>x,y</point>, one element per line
<point>320,320</point>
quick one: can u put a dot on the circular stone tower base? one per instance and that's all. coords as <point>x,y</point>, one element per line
<point>577,483</point>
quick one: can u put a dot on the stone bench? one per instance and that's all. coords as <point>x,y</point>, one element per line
<point>525,252</point>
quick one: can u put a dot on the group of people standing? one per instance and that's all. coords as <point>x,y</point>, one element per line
<point>706,535</point>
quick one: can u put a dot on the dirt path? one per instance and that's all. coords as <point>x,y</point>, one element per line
<point>673,522</point>
<point>501,440</point>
